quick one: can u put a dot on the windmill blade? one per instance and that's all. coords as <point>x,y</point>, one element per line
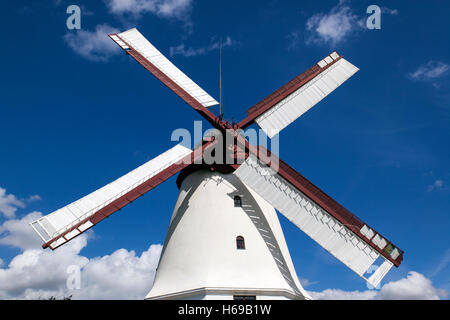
<point>337,230</point>
<point>288,103</point>
<point>68,222</point>
<point>136,45</point>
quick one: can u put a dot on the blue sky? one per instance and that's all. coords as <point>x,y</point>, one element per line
<point>76,113</point>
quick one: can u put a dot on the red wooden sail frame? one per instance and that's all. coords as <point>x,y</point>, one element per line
<point>151,183</point>
<point>284,170</point>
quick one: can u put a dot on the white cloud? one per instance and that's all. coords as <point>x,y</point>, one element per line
<point>9,204</point>
<point>337,294</point>
<point>179,9</point>
<point>190,52</point>
<point>34,198</point>
<point>438,184</point>
<point>17,233</point>
<point>93,45</point>
<point>39,274</point>
<point>294,39</point>
<point>430,71</point>
<point>443,263</point>
<point>414,287</point>
<point>36,273</point>
<point>306,282</point>
<point>334,26</point>
<point>121,275</point>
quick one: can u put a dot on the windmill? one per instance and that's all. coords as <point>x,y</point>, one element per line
<point>224,239</point>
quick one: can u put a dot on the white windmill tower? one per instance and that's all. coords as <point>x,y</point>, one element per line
<point>224,240</point>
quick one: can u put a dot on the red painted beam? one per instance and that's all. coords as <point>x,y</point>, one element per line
<point>318,196</point>
<point>296,179</point>
<point>331,206</point>
<point>137,192</point>
<point>183,94</point>
<point>283,92</point>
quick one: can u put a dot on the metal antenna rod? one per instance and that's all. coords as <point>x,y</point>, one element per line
<point>220,78</point>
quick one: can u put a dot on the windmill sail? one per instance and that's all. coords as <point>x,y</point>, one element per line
<point>146,54</point>
<point>332,226</point>
<point>338,231</point>
<point>64,224</point>
<point>286,104</point>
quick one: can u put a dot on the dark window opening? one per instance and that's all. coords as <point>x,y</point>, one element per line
<point>237,201</point>
<point>244,297</point>
<point>240,243</point>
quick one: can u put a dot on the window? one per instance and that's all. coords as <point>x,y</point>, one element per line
<point>244,297</point>
<point>237,201</point>
<point>240,243</point>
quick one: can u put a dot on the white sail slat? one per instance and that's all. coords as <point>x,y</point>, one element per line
<point>62,220</point>
<point>139,43</point>
<point>312,92</point>
<point>312,219</point>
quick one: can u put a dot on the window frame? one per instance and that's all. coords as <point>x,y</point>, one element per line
<point>237,201</point>
<point>240,243</point>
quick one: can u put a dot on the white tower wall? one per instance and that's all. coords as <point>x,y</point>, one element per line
<point>200,259</point>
